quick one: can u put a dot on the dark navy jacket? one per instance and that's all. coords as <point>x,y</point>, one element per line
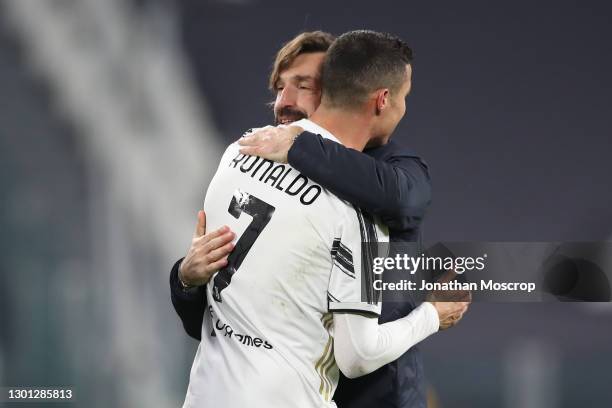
<point>390,182</point>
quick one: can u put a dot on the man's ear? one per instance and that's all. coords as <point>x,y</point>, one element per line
<point>382,100</point>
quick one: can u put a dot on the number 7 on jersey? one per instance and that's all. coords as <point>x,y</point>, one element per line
<point>261,213</point>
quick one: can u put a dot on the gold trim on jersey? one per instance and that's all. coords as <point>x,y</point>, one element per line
<point>327,361</point>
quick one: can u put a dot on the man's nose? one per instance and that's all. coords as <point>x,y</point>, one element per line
<point>287,97</point>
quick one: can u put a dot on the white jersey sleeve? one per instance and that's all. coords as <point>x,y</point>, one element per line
<point>351,285</point>
<point>361,345</point>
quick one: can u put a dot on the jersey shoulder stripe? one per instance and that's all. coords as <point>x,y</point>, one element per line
<point>369,238</point>
<point>343,258</point>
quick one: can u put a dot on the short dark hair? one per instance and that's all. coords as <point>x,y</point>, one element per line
<point>360,62</point>
<point>306,42</point>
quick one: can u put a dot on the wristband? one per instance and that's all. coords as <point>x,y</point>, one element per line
<point>184,286</point>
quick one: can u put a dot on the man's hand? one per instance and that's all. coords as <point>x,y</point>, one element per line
<point>272,143</point>
<point>450,313</point>
<point>450,304</point>
<point>208,253</point>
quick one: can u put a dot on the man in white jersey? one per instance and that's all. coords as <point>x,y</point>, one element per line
<point>269,338</point>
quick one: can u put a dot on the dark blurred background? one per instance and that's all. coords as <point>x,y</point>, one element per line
<point>114,115</point>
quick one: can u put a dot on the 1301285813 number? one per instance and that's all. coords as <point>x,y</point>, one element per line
<point>261,213</point>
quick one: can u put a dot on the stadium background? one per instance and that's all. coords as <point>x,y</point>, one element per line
<point>114,114</point>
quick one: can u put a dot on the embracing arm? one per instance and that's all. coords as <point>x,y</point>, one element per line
<point>387,181</point>
<point>189,304</point>
<point>362,345</point>
<point>398,187</point>
<point>206,255</point>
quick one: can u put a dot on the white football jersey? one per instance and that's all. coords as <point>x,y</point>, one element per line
<point>267,335</point>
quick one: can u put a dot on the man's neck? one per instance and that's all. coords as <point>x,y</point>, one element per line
<point>352,129</point>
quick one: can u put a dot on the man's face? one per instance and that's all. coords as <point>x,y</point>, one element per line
<point>396,110</point>
<point>298,90</point>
